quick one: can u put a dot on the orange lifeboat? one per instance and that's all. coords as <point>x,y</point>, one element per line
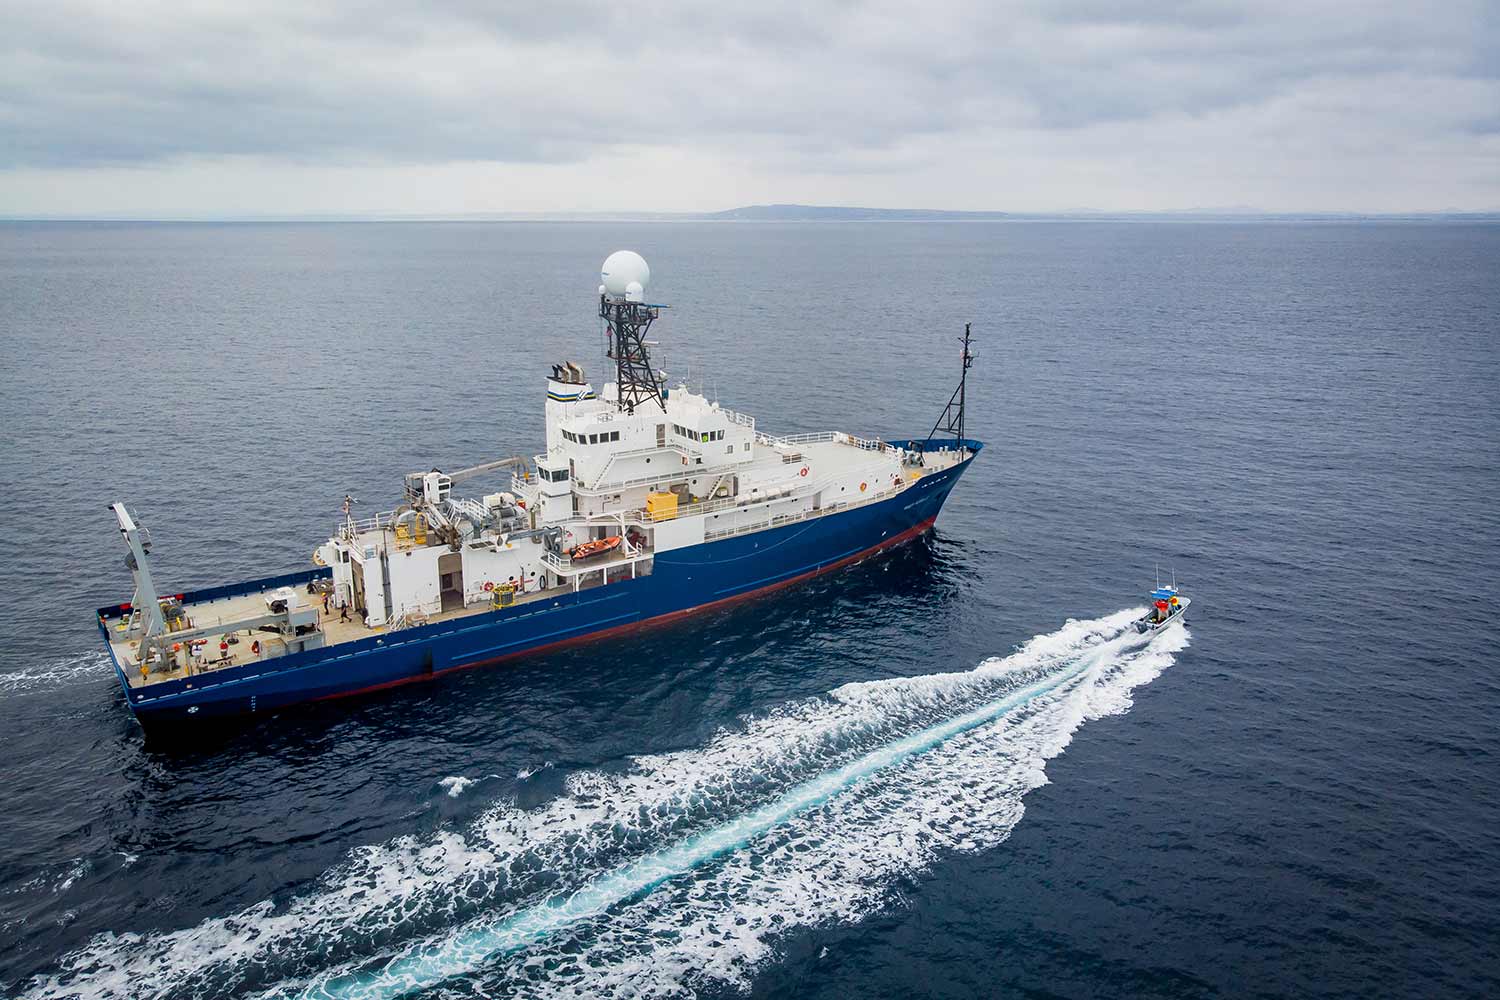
<point>597,547</point>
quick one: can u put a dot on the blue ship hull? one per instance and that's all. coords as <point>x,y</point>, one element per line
<point>684,581</point>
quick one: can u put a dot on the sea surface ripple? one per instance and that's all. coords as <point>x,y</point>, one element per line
<point>945,772</point>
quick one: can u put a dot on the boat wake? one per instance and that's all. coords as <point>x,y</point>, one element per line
<point>684,872</point>
<point>92,665</point>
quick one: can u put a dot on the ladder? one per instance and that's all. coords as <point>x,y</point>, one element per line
<point>713,493</point>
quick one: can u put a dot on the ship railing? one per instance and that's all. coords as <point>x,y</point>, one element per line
<point>792,440</point>
<point>618,485</point>
<point>472,509</point>
<point>634,517</point>
<point>736,417</point>
<point>563,563</point>
<point>349,528</point>
<point>820,437</point>
<point>523,487</point>
<point>603,485</point>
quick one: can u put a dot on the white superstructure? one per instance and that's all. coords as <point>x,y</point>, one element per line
<point>604,474</point>
<point>658,468</point>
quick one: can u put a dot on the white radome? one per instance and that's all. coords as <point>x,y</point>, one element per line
<point>622,269</point>
<point>634,292</point>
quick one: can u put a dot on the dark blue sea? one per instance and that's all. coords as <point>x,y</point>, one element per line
<point>939,773</point>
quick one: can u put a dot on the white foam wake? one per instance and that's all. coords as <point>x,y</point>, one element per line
<point>736,815</point>
<point>47,676</point>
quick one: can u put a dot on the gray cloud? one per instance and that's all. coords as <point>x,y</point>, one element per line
<point>842,86</point>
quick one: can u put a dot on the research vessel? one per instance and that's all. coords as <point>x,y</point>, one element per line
<point>648,503</point>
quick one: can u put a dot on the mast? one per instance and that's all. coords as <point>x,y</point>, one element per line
<point>627,318</point>
<point>627,323</point>
<point>952,420</point>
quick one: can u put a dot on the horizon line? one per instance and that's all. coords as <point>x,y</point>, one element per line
<point>767,212</point>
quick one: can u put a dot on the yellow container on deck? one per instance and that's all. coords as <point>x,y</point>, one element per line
<point>661,506</point>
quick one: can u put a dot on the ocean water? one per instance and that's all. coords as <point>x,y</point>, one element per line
<point>945,772</point>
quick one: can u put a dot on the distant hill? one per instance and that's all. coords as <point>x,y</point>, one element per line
<point>835,213</point>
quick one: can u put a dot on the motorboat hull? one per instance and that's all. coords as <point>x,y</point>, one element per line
<point>1147,623</point>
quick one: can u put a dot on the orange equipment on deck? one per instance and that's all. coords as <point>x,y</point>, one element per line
<point>597,547</point>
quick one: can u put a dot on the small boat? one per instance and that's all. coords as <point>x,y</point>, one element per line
<point>1166,607</point>
<point>597,547</point>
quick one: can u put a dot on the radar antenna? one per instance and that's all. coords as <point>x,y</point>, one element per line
<point>952,420</point>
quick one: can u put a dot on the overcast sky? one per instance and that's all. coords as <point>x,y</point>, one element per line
<point>168,109</point>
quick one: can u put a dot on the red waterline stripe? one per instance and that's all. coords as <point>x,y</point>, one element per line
<point>667,618</point>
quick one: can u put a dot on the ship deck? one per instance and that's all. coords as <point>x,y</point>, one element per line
<point>331,622</point>
<point>204,615</point>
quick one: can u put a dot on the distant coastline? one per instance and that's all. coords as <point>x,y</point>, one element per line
<point>816,213</point>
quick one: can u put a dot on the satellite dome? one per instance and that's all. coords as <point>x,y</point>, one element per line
<point>634,292</point>
<point>622,269</point>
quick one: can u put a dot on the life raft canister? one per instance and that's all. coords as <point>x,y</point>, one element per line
<point>803,472</point>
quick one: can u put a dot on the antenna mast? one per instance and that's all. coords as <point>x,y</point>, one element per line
<point>627,324</point>
<point>952,420</point>
<point>627,318</point>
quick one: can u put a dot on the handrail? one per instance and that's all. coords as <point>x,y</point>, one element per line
<point>821,437</point>
<point>625,484</point>
<point>349,529</point>
<point>611,486</point>
<point>736,417</point>
<point>564,563</point>
<point>788,440</point>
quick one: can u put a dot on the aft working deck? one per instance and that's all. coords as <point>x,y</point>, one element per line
<point>331,622</point>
